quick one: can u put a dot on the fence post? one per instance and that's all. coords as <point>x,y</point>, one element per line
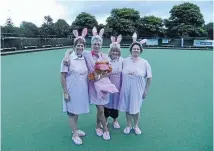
<point>21,44</point>
<point>3,42</point>
<point>182,42</point>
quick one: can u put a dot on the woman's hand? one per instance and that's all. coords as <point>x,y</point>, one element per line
<point>66,97</point>
<point>145,94</point>
<point>97,76</point>
<point>105,75</point>
<point>148,82</point>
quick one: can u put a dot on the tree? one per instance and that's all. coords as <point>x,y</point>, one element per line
<point>10,30</point>
<point>150,26</point>
<point>100,26</point>
<point>123,21</point>
<point>9,22</point>
<point>47,27</point>
<point>9,27</point>
<point>185,20</point>
<point>29,29</point>
<point>61,28</point>
<point>84,20</point>
<point>209,29</point>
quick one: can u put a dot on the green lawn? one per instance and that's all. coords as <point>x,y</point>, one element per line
<point>176,116</point>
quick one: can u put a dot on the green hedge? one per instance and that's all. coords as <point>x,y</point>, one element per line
<point>20,43</point>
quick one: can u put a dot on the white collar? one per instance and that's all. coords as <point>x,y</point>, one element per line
<point>75,57</point>
<point>115,60</point>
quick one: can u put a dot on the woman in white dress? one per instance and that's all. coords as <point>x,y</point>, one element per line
<point>116,61</point>
<point>91,57</point>
<point>75,86</point>
<point>136,79</point>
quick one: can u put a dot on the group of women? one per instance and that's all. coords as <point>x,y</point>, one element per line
<point>131,76</point>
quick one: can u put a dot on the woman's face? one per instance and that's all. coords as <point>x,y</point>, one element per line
<point>79,48</point>
<point>115,53</point>
<point>96,46</point>
<point>135,51</point>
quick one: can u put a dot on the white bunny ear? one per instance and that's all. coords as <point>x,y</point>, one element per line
<point>143,41</point>
<point>101,32</point>
<point>75,32</point>
<point>119,38</point>
<point>84,32</point>
<point>94,31</point>
<point>134,37</point>
<point>112,39</point>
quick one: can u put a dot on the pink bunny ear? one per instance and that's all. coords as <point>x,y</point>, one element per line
<point>94,31</point>
<point>75,32</point>
<point>143,41</point>
<point>101,32</point>
<point>119,38</point>
<point>112,39</point>
<point>134,37</point>
<point>84,32</point>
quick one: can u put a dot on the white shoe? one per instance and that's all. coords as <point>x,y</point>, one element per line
<point>127,130</point>
<point>80,133</point>
<point>99,131</point>
<point>77,140</point>
<point>106,136</point>
<point>116,125</point>
<point>137,130</point>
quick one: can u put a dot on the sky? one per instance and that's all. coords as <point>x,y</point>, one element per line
<point>35,10</point>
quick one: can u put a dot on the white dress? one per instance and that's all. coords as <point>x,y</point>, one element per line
<point>134,76</point>
<point>116,79</point>
<point>77,85</point>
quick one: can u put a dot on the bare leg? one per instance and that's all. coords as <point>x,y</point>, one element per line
<point>98,121</point>
<point>129,119</point>
<point>73,123</point>
<point>101,117</point>
<point>76,118</point>
<point>136,121</point>
<point>136,118</point>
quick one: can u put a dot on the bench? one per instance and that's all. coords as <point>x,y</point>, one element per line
<point>30,47</point>
<point>46,46</point>
<point>195,47</point>
<point>59,45</point>
<point>168,46</point>
<point>9,49</point>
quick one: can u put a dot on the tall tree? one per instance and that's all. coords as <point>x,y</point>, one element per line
<point>61,28</point>
<point>47,28</point>
<point>9,22</point>
<point>9,26</point>
<point>123,21</point>
<point>185,20</point>
<point>100,26</point>
<point>209,29</point>
<point>150,26</point>
<point>84,20</point>
<point>29,29</point>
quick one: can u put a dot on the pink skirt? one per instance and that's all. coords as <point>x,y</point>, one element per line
<point>104,86</point>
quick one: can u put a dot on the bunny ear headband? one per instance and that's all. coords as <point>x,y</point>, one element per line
<point>115,42</point>
<point>134,38</point>
<point>96,35</point>
<point>84,33</point>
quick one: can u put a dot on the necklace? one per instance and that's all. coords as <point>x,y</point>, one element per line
<point>135,59</point>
